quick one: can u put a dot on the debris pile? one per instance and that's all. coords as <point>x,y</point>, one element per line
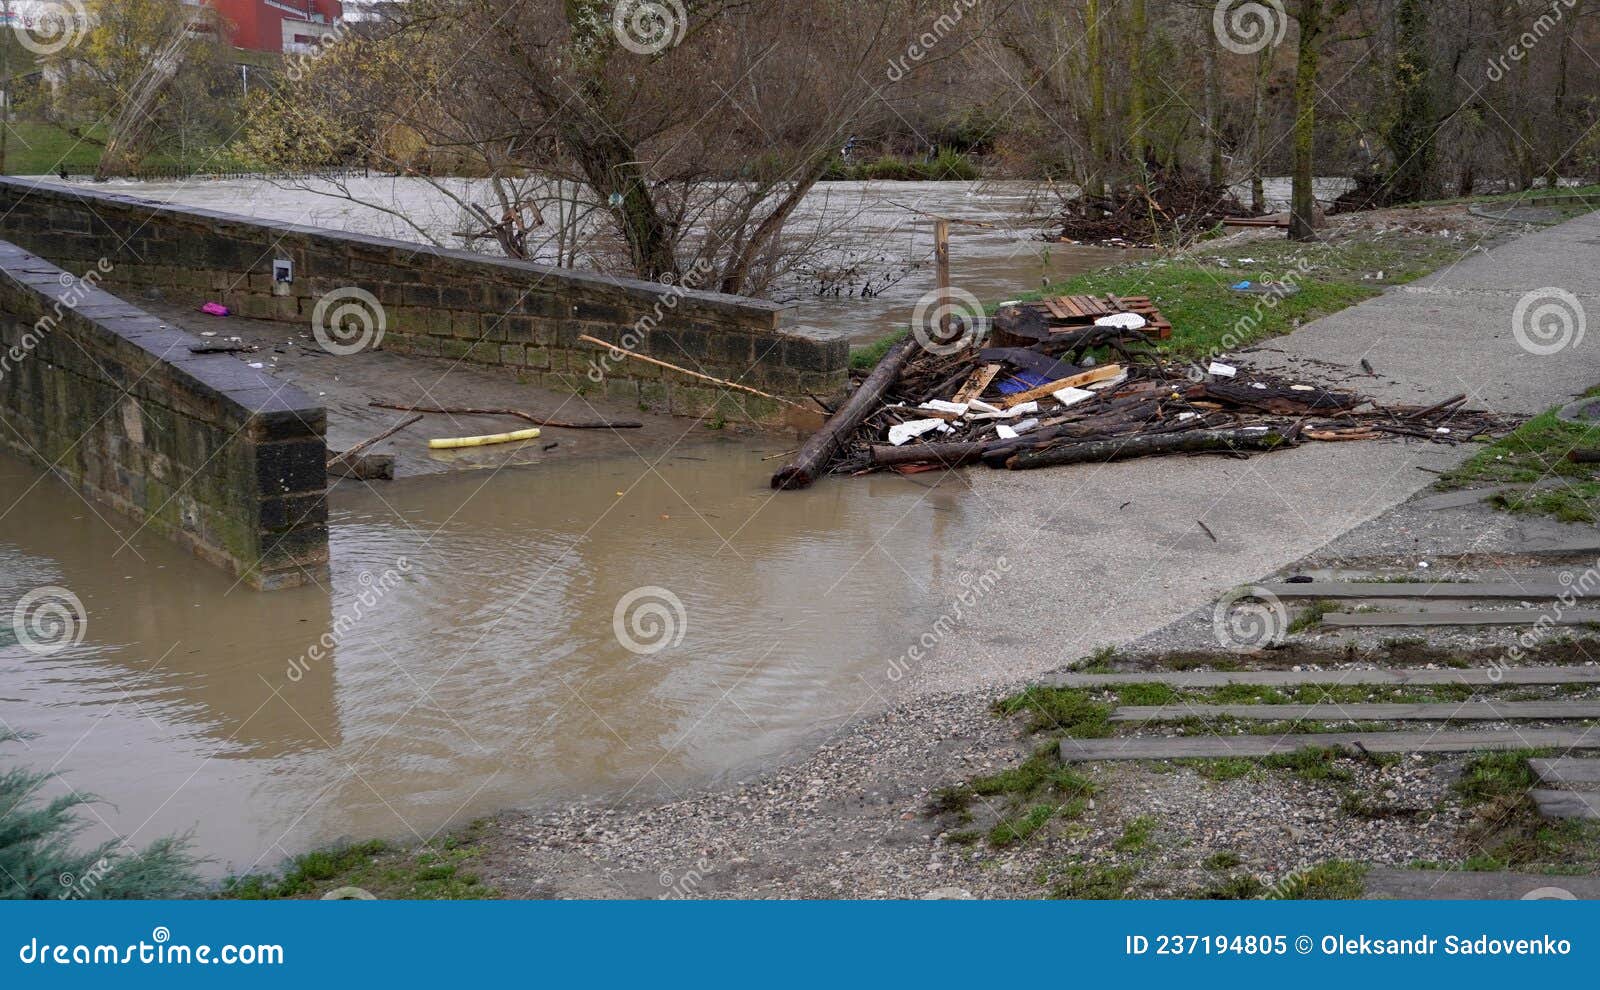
<point>1075,380</point>
<point>1172,207</point>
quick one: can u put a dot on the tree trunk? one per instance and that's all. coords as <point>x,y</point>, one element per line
<point>1411,136</point>
<point>1138,27</point>
<point>1095,184</point>
<point>1302,220</point>
<point>1213,107</point>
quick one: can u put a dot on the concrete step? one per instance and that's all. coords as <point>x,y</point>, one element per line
<point>1456,885</point>
<point>1461,617</point>
<point>1447,591</point>
<point>1455,711</point>
<point>1476,676</point>
<point>1567,804</point>
<point>1214,747</point>
<point>1568,772</point>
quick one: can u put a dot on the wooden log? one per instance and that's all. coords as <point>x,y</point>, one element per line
<point>1124,448</point>
<point>949,454</point>
<point>809,463</point>
<point>351,455</point>
<point>636,356</point>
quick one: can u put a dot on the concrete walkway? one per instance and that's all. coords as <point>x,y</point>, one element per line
<point>1100,555</point>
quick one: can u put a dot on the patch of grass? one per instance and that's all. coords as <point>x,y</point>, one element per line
<point>1218,862</point>
<point>867,356</point>
<point>1312,764</point>
<point>1335,880</point>
<point>439,871</point>
<point>1098,662</point>
<point>1492,776</point>
<point>1239,887</point>
<point>1147,694</point>
<point>1069,711</point>
<point>1311,616</point>
<point>1535,451</point>
<point>1223,768</point>
<point>1135,835</point>
<point>969,837</point>
<point>1506,827</point>
<point>1029,796</point>
<point>1020,827</point>
<point>1080,881</point>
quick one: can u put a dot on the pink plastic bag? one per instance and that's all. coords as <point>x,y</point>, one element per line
<point>215,309</point>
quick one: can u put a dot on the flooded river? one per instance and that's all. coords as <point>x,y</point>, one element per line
<point>469,653</point>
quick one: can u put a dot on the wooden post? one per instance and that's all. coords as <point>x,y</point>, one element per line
<point>941,261</point>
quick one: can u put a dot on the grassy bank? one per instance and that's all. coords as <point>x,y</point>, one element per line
<point>33,148</point>
<point>440,870</point>
<point>1535,452</point>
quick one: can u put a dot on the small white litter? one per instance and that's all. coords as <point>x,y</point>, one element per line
<point>1185,417</point>
<point>1122,321</point>
<point>1442,429</point>
<point>257,364</point>
<point>940,405</point>
<point>1025,425</point>
<point>1005,432</point>
<point>1109,383</point>
<point>904,433</point>
<point>1222,370</point>
<point>1260,385</point>
<point>1302,388</point>
<point>1073,396</point>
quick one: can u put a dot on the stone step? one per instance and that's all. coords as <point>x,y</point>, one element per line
<point>1215,747</point>
<point>1457,885</point>
<point>1475,677</point>
<point>1323,712</point>
<point>1462,617</point>
<point>1340,590</point>
<point>1567,804</point>
<point>1569,772</point>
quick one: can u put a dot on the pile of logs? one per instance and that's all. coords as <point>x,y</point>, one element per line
<point>1054,385</point>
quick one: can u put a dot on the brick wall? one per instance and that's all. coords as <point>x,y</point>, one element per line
<point>443,303</point>
<point>203,449</point>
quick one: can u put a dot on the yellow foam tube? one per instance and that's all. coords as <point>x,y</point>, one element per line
<point>451,443</point>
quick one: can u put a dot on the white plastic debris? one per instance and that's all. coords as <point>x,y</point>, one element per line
<point>1109,383</point>
<point>1122,321</point>
<point>1302,388</point>
<point>1026,425</point>
<point>1005,432</point>
<point>1442,429</point>
<point>984,411</point>
<point>1222,370</point>
<point>904,433</point>
<point>257,364</point>
<point>940,405</point>
<point>1260,385</point>
<point>1185,417</point>
<point>1073,396</point>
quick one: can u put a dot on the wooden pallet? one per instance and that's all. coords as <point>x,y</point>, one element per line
<point>1076,312</point>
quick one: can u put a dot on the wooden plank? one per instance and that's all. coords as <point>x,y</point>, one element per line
<point>1344,590</point>
<point>941,264</point>
<point>1567,772</point>
<point>1475,676</point>
<point>1461,617</point>
<point>1567,804</point>
<point>1216,747</point>
<point>1384,883</point>
<point>980,379</point>
<point>1488,711</point>
<point>1104,373</point>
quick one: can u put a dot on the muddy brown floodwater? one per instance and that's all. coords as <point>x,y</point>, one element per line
<point>475,662</point>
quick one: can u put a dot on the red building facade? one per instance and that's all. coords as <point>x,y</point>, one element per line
<point>277,25</point>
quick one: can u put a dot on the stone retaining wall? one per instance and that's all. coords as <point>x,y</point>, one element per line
<point>439,303</point>
<point>200,448</point>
